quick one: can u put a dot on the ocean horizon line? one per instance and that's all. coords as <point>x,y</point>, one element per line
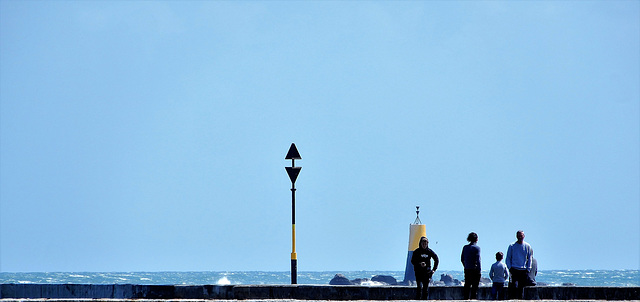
<point>282,271</point>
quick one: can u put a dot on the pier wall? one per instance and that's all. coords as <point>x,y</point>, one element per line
<point>296,292</point>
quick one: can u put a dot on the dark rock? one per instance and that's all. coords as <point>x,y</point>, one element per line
<point>449,281</point>
<point>568,284</point>
<point>446,278</point>
<point>340,279</point>
<point>390,280</point>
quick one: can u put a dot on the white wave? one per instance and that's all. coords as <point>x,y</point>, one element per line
<point>223,281</point>
<point>371,283</point>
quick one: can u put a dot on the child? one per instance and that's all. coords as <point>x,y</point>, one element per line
<point>499,274</point>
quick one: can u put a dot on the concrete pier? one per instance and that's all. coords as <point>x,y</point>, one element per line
<point>73,292</point>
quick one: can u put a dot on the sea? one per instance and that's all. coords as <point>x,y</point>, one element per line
<point>609,278</point>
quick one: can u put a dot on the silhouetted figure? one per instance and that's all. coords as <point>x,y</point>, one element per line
<point>421,261</point>
<point>470,258</point>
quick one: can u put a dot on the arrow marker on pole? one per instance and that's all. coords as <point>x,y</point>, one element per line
<point>293,173</point>
<point>293,152</point>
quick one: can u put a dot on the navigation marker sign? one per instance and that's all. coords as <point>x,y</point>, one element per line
<point>293,172</point>
<point>293,152</point>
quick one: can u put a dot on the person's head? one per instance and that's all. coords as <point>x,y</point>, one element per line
<point>424,242</point>
<point>499,256</point>
<point>520,236</point>
<point>472,238</point>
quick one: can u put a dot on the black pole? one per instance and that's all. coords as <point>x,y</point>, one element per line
<point>294,256</point>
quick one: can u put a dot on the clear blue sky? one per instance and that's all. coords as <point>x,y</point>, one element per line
<point>151,136</point>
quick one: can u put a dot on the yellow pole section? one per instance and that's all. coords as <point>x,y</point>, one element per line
<point>416,231</point>
<point>293,251</point>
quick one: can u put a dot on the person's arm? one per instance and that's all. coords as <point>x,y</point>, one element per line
<point>529,257</point>
<point>506,274</point>
<point>492,273</point>
<point>436,261</point>
<point>507,260</point>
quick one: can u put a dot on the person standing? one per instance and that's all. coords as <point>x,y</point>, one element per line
<point>499,275</point>
<point>519,258</point>
<point>470,258</point>
<point>421,261</point>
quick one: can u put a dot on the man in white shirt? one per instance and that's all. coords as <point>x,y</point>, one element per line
<point>519,258</point>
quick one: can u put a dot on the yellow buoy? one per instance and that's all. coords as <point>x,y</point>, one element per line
<point>416,231</point>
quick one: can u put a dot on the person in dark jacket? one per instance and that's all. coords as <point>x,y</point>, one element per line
<point>471,261</point>
<point>421,261</point>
